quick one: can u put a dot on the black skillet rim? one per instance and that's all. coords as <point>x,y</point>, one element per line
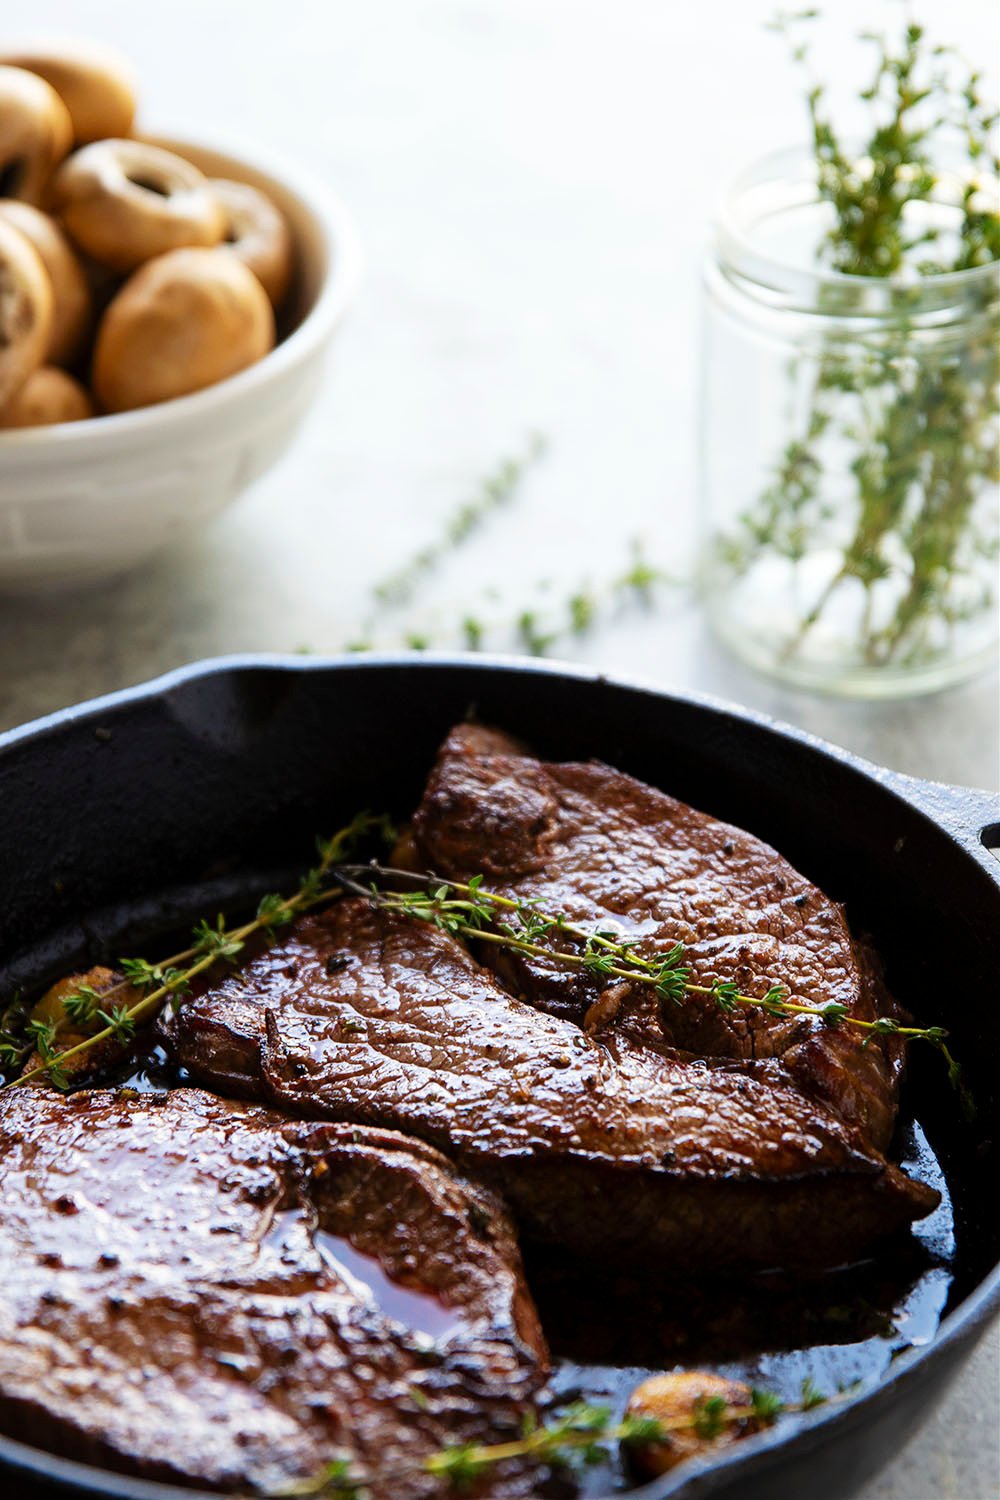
<point>959,812</point>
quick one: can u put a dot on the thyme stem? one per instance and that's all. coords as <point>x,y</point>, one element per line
<point>496,491</point>
<point>539,621</point>
<point>906,418</point>
<point>581,1432</point>
<point>471,915</point>
<point>210,947</point>
<point>468,911</point>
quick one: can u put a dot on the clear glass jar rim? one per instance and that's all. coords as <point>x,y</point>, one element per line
<point>738,252</point>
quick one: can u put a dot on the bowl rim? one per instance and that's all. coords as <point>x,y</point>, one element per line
<point>952,810</point>
<point>339,286</point>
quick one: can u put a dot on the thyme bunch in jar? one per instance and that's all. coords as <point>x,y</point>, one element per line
<point>858,549</point>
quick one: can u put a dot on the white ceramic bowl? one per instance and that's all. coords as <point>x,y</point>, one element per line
<point>85,500</point>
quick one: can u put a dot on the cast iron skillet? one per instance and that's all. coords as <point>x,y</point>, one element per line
<point>129,814</point>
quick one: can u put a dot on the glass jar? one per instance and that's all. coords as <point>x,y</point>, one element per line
<point>848,452</point>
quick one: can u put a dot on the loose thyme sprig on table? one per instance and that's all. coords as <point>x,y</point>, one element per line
<point>541,619</point>
<point>582,1434</point>
<point>170,980</point>
<point>494,492</point>
<point>541,624</point>
<point>535,624</point>
<point>470,911</point>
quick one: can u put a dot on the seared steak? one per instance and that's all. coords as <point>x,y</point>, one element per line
<point>608,1150</point>
<point>205,1292</point>
<point>610,852</point>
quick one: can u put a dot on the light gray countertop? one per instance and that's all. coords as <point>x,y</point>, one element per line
<point>532,181</point>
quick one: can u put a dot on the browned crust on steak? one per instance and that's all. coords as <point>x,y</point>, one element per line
<point>603,1148</point>
<point>606,849</point>
<point>169,1306</point>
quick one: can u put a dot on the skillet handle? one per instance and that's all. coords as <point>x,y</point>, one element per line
<point>971,815</point>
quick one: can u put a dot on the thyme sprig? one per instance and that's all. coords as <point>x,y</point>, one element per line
<point>170,980</point>
<point>537,628</point>
<point>534,625</point>
<point>911,426</point>
<point>582,1434</point>
<point>919,95</point>
<point>539,621</point>
<point>470,911</point>
<point>495,492</point>
<point>466,910</point>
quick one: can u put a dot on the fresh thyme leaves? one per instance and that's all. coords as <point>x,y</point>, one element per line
<point>142,976</point>
<point>710,1416</point>
<point>83,1005</point>
<point>469,911</point>
<point>12,1052</point>
<point>146,987</point>
<point>272,913</point>
<point>767,1406</point>
<point>539,628</point>
<point>579,1435</point>
<point>119,1022</point>
<point>811,1395</point>
<point>541,622</point>
<point>886,488</point>
<point>43,1037</point>
<point>582,1434</point>
<point>919,96</point>
<point>337,1480</point>
<point>215,942</point>
<point>536,625</point>
<point>494,493</point>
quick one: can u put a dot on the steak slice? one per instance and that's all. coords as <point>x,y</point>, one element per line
<point>611,852</point>
<point>205,1292</point>
<point>611,1151</point>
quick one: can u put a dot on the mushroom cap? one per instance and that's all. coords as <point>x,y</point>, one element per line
<point>70,288</point>
<point>122,202</point>
<point>26,304</point>
<point>183,321</point>
<point>258,232</point>
<point>676,1399</point>
<point>48,395</point>
<point>95,82</point>
<point>35,133</point>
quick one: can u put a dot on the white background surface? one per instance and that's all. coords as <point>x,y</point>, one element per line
<point>532,181</point>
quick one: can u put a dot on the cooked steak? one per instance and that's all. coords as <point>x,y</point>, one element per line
<point>610,852</point>
<point>610,1150</point>
<point>205,1292</point>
